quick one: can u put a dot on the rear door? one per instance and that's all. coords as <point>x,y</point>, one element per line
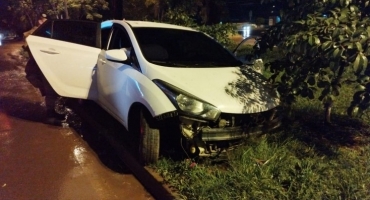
<point>66,52</point>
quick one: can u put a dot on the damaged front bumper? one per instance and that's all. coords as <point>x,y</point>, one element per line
<point>212,138</point>
<point>236,133</point>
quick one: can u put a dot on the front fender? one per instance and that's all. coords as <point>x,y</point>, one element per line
<point>140,89</point>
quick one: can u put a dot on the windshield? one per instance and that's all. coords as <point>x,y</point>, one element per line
<point>181,48</point>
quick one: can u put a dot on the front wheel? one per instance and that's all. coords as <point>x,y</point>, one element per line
<point>148,138</point>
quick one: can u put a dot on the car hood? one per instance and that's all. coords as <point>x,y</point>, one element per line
<point>231,89</point>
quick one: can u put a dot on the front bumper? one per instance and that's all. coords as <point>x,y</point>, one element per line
<point>210,139</point>
<point>236,133</point>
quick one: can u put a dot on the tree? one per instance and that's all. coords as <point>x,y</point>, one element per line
<point>194,13</point>
<point>27,11</point>
<point>136,10</point>
<point>325,44</point>
<point>77,9</point>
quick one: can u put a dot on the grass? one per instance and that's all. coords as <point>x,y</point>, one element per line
<point>307,159</point>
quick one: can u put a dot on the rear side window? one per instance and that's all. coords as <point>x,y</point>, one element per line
<point>44,30</point>
<point>79,32</point>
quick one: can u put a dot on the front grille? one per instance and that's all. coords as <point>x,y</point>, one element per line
<point>245,120</point>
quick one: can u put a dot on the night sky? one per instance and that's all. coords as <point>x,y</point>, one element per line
<point>239,9</point>
<point>3,8</point>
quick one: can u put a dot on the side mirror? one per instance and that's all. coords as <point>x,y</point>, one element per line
<point>117,55</point>
<point>248,57</point>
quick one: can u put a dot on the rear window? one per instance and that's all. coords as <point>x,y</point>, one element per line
<point>80,32</point>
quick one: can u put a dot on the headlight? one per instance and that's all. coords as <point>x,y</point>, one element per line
<point>188,103</point>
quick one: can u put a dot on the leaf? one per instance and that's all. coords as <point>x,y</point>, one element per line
<point>360,63</point>
<point>310,40</point>
<point>350,45</point>
<point>326,45</point>
<point>352,111</point>
<point>360,88</point>
<point>352,8</point>
<point>299,22</point>
<point>356,64</point>
<point>359,46</point>
<point>336,54</point>
<point>333,12</point>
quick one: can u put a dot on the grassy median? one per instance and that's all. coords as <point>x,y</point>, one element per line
<point>306,159</point>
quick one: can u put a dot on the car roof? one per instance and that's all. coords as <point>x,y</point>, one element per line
<point>148,24</point>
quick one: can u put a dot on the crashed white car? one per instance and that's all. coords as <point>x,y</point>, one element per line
<point>151,75</point>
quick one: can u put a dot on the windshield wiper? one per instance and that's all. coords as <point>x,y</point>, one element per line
<point>167,63</point>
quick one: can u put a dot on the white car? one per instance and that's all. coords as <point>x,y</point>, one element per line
<point>151,75</point>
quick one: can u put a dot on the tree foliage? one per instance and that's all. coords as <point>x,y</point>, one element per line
<point>28,11</point>
<point>202,11</point>
<point>191,13</point>
<point>77,9</point>
<point>325,43</point>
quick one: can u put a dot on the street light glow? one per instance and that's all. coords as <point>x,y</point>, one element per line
<point>246,31</point>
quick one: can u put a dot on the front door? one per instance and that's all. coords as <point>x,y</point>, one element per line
<point>112,76</point>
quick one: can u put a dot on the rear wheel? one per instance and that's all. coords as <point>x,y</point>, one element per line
<point>148,138</point>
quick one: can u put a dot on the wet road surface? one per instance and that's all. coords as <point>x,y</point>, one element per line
<point>39,161</point>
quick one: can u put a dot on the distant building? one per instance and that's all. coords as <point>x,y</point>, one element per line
<point>273,20</point>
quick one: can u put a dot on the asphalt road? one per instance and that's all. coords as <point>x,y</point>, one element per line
<point>40,161</point>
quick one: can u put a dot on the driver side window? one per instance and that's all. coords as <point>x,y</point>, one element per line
<point>121,40</point>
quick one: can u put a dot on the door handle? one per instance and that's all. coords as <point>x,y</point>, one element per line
<point>102,61</point>
<point>49,52</point>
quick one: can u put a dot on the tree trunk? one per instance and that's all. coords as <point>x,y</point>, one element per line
<point>66,9</point>
<point>328,107</point>
<point>30,20</point>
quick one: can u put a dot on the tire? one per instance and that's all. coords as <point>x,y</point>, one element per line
<point>149,139</point>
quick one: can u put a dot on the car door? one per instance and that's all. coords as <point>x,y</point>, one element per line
<point>66,52</point>
<point>112,75</point>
